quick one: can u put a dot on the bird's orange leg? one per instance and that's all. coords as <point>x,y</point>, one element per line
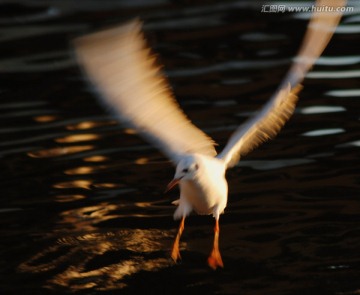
<point>214,259</point>
<point>175,253</point>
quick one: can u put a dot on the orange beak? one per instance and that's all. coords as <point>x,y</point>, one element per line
<point>172,184</point>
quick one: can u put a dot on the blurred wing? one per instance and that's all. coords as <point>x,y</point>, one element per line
<point>272,117</point>
<point>121,65</point>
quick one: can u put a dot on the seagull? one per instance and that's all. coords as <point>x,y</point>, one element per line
<point>128,77</point>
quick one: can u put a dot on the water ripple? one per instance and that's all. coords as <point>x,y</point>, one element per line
<point>47,61</point>
<point>262,37</point>
<point>334,74</point>
<point>226,66</point>
<point>16,33</point>
<point>84,252</point>
<point>81,209</point>
<point>344,93</point>
<point>348,29</point>
<point>321,110</point>
<point>274,164</point>
<point>48,13</point>
<point>322,132</point>
<point>338,60</point>
<point>188,22</point>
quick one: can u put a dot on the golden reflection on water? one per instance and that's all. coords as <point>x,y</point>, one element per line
<point>59,151</point>
<point>80,183</point>
<point>142,204</point>
<point>45,118</point>
<point>85,218</point>
<point>96,159</point>
<point>108,277</point>
<point>81,170</point>
<point>90,124</point>
<point>82,250</point>
<point>78,138</point>
<point>130,131</point>
<point>141,161</point>
<point>106,185</point>
<point>84,184</point>
<point>69,198</point>
<point>79,252</point>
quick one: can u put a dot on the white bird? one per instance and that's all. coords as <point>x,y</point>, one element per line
<point>120,64</point>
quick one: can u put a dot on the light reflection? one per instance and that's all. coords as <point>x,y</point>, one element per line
<point>83,253</point>
<point>341,266</point>
<point>321,110</point>
<point>89,125</point>
<point>84,219</point>
<point>141,161</point>
<point>78,138</point>
<point>96,159</point>
<point>106,185</point>
<point>69,198</point>
<point>59,151</point>
<point>86,184</point>
<point>109,277</point>
<point>45,118</point>
<point>322,132</point>
<point>129,131</point>
<point>100,212</point>
<point>355,143</point>
<point>334,74</point>
<point>344,93</point>
<point>80,170</point>
<point>143,204</point>
<point>348,29</point>
<point>274,164</point>
<point>338,60</point>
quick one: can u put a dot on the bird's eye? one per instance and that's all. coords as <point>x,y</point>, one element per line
<point>196,166</point>
<point>185,170</point>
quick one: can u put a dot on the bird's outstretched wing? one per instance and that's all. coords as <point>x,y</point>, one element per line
<point>273,115</point>
<point>130,81</point>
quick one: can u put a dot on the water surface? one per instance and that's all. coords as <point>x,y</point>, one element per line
<point>82,203</point>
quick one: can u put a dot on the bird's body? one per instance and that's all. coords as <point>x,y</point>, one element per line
<point>119,63</point>
<point>206,190</point>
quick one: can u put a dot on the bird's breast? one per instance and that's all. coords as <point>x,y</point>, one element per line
<point>202,199</point>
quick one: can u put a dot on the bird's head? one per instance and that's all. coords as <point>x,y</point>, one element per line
<point>186,169</point>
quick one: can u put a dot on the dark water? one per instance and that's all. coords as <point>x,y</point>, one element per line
<point>82,203</point>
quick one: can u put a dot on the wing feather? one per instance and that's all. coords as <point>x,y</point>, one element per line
<point>130,81</point>
<point>273,115</point>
